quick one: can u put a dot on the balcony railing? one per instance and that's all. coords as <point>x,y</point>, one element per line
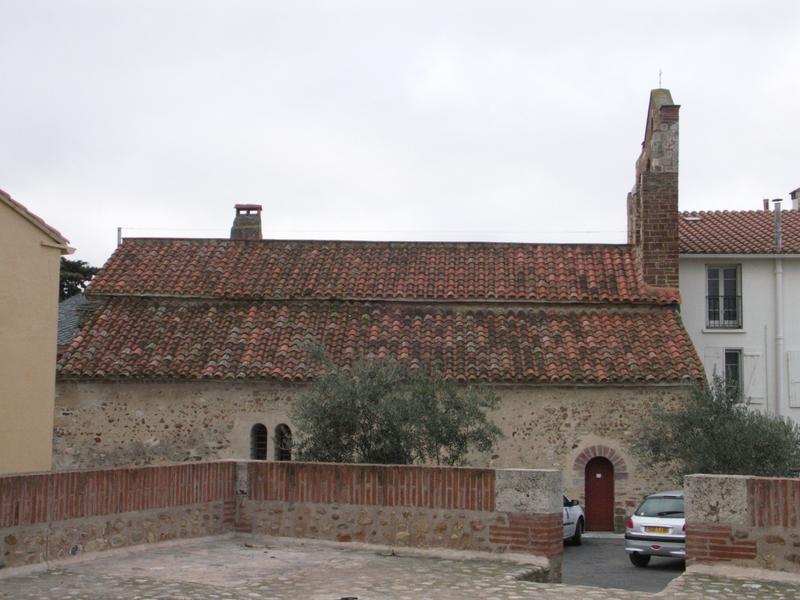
<point>723,312</point>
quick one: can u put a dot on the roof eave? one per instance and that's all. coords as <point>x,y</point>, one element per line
<point>38,222</point>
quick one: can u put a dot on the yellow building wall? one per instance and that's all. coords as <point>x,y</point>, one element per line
<point>28,325</point>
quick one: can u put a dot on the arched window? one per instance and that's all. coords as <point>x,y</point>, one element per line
<point>283,442</point>
<point>258,442</point>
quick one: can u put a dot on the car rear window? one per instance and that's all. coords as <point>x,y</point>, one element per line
<point>662,506</point>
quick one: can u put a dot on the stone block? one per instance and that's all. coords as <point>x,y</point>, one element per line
<point>716,499</point>
<point>528,491</point>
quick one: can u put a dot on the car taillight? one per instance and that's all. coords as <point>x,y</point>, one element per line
<point>629,523</point>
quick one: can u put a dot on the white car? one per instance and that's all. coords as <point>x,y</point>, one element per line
<point>574,521</point>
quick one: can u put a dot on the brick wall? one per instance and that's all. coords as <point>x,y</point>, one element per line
<point>749,521</point>
<point>59,514</point>
<point>373,485</point>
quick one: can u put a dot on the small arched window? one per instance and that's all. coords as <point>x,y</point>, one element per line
<point>258,442</point>
<point>283,442</point>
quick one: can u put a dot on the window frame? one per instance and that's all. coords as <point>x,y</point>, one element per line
<point>739,352</point>
<point>720,298</point>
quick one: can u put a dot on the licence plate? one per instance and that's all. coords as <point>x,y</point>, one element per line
<point>657,529</point>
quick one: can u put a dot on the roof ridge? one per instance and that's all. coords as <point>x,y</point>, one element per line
<point>381,242</point>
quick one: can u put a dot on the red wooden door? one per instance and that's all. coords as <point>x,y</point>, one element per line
<point>599,495</point>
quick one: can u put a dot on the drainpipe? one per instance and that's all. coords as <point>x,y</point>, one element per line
<point>780,362</point>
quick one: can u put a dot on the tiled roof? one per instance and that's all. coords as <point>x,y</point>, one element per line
<point>72,313</point>
<point>34,219</point>
<point>69,312</point>
<point>179,339</point>
<point>428,271</point>
<point>737,232</point>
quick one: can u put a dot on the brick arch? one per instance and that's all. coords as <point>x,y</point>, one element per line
<point>590,452</point>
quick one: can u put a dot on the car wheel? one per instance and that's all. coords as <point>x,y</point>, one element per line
<point>640,560</point>
<point>576,537</point>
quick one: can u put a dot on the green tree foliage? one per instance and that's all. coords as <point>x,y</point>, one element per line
<point>381,411</point>
<point>714,432</point>
<point>75,276</point>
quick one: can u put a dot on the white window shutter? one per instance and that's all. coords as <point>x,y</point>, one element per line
<point>794,378</point>
<point>713,362</point>
<point>753,376</point>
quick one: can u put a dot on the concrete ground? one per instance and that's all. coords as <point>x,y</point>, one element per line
<point>230,568</point>
<point>601,561</point>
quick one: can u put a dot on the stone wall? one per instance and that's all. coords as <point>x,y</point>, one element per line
<point>447,507</point>
<point>544,427</point>
<point>55,515</point>
<point>747,521</point>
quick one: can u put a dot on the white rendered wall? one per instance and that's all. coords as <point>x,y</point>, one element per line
<point>756,338</point>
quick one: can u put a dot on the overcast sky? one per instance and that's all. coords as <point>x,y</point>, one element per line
<point>496,120</point>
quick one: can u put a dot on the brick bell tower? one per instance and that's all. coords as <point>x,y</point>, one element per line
<point>653,202</point>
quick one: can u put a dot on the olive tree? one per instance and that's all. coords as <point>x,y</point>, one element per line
<point>382,411</point>
<point>713,431</point>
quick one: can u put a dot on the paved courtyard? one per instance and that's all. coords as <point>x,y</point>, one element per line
<point>235,568</point>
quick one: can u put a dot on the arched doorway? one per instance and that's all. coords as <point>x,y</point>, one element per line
<point>599,494</point>
<point>283,442</point>
<point>258,442</point>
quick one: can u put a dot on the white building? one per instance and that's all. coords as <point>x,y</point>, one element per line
<point>740,286</point>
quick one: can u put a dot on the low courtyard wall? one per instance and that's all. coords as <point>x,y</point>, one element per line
<point>743,520</point>
<point>48,516</point>
<point>494,510</point>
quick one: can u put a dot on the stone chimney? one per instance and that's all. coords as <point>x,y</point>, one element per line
<point>247,224</point>
<point>653,202</point>
<point>795,196</point>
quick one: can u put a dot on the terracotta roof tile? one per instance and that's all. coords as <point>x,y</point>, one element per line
<point>737,232</point>
<point>270,269</point>
<point>178,339</point>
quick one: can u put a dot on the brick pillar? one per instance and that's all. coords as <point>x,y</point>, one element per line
<point>533,522</point>
<point>653,202</point>
<point>718,519</point>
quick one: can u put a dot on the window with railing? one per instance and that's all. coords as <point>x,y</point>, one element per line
<point>724,299</point>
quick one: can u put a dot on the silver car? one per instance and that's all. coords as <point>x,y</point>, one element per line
<point>657,528</point>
